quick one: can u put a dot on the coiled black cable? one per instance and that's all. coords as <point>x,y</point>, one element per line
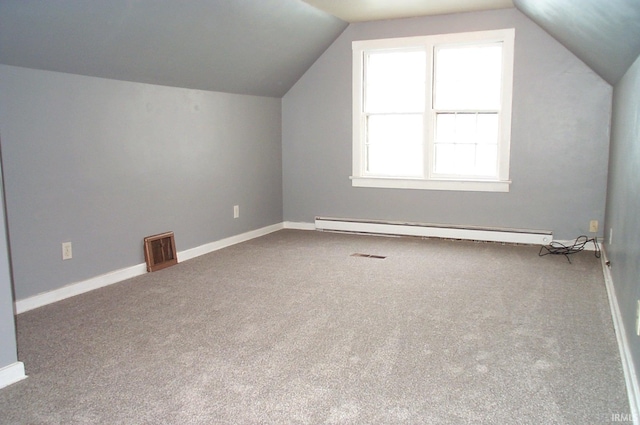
<point>557,248</point>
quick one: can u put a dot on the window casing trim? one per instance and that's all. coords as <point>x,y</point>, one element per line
<point>432,184</point>
<point>431,180</point>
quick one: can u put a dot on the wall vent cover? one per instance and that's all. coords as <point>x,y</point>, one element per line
<point>160,251</point>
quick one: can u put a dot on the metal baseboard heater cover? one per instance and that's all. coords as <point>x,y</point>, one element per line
<point>490,234</point>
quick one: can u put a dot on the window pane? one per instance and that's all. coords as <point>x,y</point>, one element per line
<point>394,145</point>
<point>487,128</point>
<point>486,160</point>
<point>465,128</point>
<point>468,77</point>
<point>395,82</point>
<point>465,159</point>
<point>466,144</point>
<point>445,128</point>
<point>455,159</point>
<point>445,159</point>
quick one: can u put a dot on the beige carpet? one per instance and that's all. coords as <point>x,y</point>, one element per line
<point>291,329</point>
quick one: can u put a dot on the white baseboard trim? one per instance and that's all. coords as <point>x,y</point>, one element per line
<point>435,230</point>
<point>223,243</point>
<point>11,374</point>
<point>628,367</point>
<point>298,225</point>
<point>78,288</point>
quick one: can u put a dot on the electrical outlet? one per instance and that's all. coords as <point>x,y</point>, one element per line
<point>236,211</point>
<point>593,226</point>
<point>67,252</point>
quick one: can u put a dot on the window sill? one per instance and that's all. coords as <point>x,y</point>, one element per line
<point>457,185</point>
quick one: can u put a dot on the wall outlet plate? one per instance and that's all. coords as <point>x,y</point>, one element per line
<point>67,252</point>
<point>593,226</point>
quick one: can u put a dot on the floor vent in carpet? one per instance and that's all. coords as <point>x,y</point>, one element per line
<point>378,257</point>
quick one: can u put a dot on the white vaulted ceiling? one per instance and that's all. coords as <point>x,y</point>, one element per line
<point>371,10</point>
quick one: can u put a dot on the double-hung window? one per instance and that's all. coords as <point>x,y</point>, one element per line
<point>433,112</point>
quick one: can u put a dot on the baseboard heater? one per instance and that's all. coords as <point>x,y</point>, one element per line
<point>490,234</point>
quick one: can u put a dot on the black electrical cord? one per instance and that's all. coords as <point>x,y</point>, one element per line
<point>557,248</point>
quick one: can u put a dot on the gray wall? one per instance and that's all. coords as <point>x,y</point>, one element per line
<point>8,349</point>
<point>623,201</point>
<point>103,163</point>
<point>560,138</point>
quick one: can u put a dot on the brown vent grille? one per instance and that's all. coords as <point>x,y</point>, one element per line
<point>160,251</point>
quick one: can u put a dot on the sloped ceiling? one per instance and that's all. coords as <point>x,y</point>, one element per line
<point>605,34</point>
<point>371,10</point>
<point>258,47</point>
<point>262,47</point>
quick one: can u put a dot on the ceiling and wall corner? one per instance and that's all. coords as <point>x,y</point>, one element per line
<point>604,34</point>
<point>262,47</point>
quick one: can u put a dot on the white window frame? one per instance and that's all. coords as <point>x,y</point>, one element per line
<point>429,181</point>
